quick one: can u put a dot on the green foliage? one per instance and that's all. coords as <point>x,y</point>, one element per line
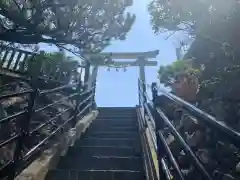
<point>89,25</point>
<point>215,26</point>
<point>168,74</point>
<point>55,65</point>
<point>190,16</point>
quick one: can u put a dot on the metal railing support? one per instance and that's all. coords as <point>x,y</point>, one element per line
<point>158,127</point>
<point>78,98</point>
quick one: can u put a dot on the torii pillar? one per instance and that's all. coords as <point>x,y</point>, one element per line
<point>141,61</point>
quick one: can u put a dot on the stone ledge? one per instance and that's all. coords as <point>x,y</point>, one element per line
<point>38,169</point>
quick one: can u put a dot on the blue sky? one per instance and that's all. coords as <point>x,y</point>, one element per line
<point>120,88</point>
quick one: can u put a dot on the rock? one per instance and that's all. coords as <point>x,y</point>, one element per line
<point>203,155</point>
<point>238,167</point>
<point>170,138</point>
<point>188,123</point>
<point>194,139</point>
<point>3,113</point>
<point>13,101</point>
<point>58,96</point>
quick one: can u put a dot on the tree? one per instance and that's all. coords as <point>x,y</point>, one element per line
<point>214,24</point>
<point>193,17</point>
<point>167,74</point>
<point>181,77</point>
<point>55,66</point>
<point>89,25</point>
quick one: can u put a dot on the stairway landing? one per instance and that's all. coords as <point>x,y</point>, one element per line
<point>109,150</point>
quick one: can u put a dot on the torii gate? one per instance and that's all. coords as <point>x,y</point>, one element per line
<point>141,61</point>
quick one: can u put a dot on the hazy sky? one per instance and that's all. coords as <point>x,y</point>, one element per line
<point>120,88</point>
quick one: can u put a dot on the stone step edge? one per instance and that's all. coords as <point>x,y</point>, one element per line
<point>112,147</point>
<point>39,168</point>
<point>97,170</point>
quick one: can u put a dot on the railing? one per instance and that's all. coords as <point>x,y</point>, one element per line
<point>28,141</point>
<point>162,126</point>
<point>21,157</point>
<point>147,122</point>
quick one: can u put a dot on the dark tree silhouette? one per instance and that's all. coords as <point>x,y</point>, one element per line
<point>89,24</point>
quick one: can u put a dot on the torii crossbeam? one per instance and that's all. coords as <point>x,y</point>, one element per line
<point>141,61</point>
<point>126,55</point>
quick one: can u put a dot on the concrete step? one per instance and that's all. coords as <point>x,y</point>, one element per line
<point>111,134</point>
<point>119,113</point>
<point>117,117</point>
<point>104,151</point>
<point>112,129</point>
<point>84,162</point>
<point>125,109</point>
<point>118,121</point>
<point>129,142</point>
<point>94,175</point>
<point>114,123</point>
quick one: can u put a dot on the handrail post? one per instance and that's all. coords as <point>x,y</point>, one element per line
<point>78,98</point>
<point>93,104</point>
<point>139,94</point>
<point>24,123</point>
<point>159,126</point>
<point>142,94</point>
<point>87,73</point>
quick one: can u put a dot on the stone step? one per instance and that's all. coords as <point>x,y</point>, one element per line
<point>104,151</point>
<point>111,134</point>
<point>114,123</point>
<point>117,109</point>
<point>117,117</point>
<point>129,142</point>
<point>94,175</point>
<point>84,162</point>
<point>119,113</point>
<point>126,129</point>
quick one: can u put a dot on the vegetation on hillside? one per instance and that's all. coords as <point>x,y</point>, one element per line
<point>55,66</point>
<point>214,26</point>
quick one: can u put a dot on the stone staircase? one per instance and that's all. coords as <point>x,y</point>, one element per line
<point>109,150</point>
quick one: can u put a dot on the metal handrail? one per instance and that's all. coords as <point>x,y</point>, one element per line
<point>176,134</point>
<point>55,102</point>
<point>171,157</point>
<point>147,157</point>
<point>11,165</point>
<point>9,141</point>
<point>164,172</point>
<point>5,96</point>
<point>57,89</point>
<point>162,147</point>
<point>14,61</point>
<point>161,120</point>
<point>232,135</point>
<point>8,118</point>
<point>49,121</point>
